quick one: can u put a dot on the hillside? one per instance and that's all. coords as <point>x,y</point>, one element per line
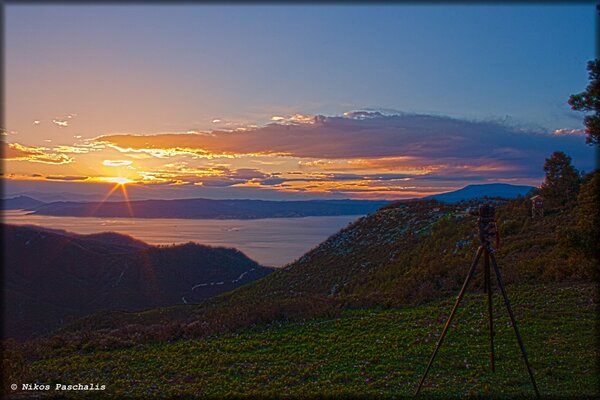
<point>208,208</point>
<point>52,276</point>
<point>410,252</point>
<point>373,353</point>
<point>404,254</point>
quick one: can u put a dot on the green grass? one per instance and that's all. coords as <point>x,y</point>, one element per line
<point>365,352</point>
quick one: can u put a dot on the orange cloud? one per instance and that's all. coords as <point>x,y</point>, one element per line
<point>19,152</point>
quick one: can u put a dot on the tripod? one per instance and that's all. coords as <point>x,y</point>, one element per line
<point>487,228</point>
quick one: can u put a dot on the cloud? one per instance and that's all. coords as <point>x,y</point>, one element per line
<point>360,115</point>
<point>569,131</point>
<point>19,152</point>
<point>273,181</point>
<point>4,132</point>
<point>222,176</point>
<point>59,122</point>
<point>295,119</point>
<point>211,176</point>
<point>116,163</point>
<point>412,143</point>
<point>66,178</point>
<point>72,149</point>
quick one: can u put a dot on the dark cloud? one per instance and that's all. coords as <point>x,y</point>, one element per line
<point>66,178</point>
<point>247,174</point>
<point>220,182</point>
<point>428,139</point>
<point>422,147</point>
<point>274,181</point>
<point>213,177</point>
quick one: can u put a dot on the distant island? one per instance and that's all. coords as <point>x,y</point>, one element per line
<point>197,208</point>
<point>240,209</point>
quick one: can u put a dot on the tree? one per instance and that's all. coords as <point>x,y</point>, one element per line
<point>590,101</point>
<point>562,181</point>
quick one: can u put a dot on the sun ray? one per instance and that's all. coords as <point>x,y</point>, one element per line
<point>126,196</point>
<point>119,182</point>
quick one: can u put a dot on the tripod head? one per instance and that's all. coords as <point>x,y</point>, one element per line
<point>486,223</point>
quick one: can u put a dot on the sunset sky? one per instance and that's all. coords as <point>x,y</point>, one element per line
<point>287,102</point>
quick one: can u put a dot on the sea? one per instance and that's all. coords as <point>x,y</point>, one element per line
<point>272,242</point>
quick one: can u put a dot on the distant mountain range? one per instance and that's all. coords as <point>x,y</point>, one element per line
<point>52,276</point>
<point>242,209</point>
<point>472,192</point>
<point>197,208</point>
<point>21,203</point>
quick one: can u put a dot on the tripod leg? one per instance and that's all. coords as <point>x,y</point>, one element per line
<point>488,289</point>
<point>514,324</point>
<point>458,299</point>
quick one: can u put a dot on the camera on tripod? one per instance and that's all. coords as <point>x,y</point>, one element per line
<point>485,211</point>
<point>486,223</point>
<point>487,230</point>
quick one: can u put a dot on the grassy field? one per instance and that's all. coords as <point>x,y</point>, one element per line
<point>372,352</point>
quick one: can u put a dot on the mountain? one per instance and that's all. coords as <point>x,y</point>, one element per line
<point>21,203</point>
<point>48,197</point>
<point>51,276</point>
<point>210,209</point>
<point>471,192</point>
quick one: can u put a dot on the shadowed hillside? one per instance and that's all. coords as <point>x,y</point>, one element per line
<point>52,276</point>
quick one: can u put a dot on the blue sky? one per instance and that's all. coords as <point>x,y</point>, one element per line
<point>189,68</point>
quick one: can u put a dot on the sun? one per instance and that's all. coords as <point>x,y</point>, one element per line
<point>119,180</point>
<point>119,183</point>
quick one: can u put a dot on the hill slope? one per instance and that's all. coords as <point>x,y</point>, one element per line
<point>370,352</point>
<point>51,276</point>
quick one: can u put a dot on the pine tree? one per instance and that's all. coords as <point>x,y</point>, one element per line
<point>561,185</point>
<point>590,101</point>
